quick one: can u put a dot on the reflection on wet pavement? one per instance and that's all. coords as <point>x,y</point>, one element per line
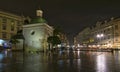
<point>68,61</point>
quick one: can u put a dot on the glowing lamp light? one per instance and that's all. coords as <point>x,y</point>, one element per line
<point>100,35</point>
<point>109,45</point>
<point>78,45</point>
<point>68,46</point>
<point>1,42</point>
<point>94,46</point>
<point>59,45</point>
<point>98,45</point>
<point>89,45</point>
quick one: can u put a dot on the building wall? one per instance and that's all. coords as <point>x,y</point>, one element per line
<point>116,36</point>
<point>9,24</point>
<point>36,36</point>
<point>111,34</point>
<point>83,37</point>
<point>19,46</point>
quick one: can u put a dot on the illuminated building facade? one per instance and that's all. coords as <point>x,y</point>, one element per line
<point>83,37</point>
<point>104,34</point>
<point>64,40</point>
<point>36,34</point>
<point>9,25</point>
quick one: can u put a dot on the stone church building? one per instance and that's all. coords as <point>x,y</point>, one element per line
<point>36,33</point>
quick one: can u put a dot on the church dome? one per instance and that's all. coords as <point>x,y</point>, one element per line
<point>38,20</point>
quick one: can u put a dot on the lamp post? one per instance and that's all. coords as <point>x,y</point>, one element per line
<point>99,36</point>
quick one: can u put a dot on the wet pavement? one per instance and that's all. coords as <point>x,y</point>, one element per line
<point>68,61</point>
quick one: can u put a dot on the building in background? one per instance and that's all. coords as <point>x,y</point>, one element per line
<point>64,40</point>
<point>103,35</point>
<point>9,25</point>
<point>83,38</point>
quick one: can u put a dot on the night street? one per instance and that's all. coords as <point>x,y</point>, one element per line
<point>59,36</point>
<point>74,61</point>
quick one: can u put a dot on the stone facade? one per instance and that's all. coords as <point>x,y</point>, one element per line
<point>9,24</point>
<point>83,38</point>
<point>104,34</point>
<point>36,36</point>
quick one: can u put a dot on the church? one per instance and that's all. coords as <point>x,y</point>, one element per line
<point>36,33</point>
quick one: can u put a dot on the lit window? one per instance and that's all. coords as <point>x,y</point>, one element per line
<point>12,25</point>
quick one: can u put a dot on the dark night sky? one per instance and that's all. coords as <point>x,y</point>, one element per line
<point>71,15</point>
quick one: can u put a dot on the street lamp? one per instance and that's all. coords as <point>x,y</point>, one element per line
<point>100,36</point>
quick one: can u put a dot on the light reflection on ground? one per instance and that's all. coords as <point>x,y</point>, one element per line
<point>63,61</point>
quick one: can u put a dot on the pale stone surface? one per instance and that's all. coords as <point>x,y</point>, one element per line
<point>36,36</point>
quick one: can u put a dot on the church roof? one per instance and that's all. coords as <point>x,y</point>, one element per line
<point>38,20</point>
